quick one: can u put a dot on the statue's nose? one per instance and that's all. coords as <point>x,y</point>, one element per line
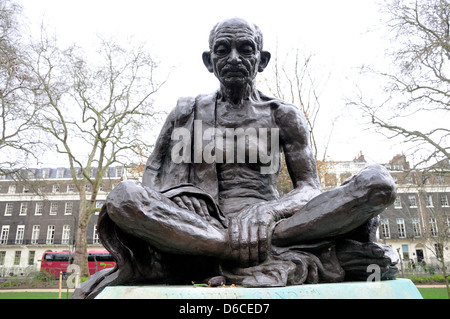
<point>234,57</point>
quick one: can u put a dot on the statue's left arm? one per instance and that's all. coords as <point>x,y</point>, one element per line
<point>300,161</point>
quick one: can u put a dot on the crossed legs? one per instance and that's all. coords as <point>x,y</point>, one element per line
<point>149,215</point>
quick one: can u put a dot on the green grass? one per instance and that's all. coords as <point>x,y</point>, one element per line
<point>32,295</point>
<point>433,293</point>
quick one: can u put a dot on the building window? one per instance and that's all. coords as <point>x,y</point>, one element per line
<point>433,227</point>
<point>440,179</point>
<point>428,201</point>
<point>448,226</point>
<point>95,237</point>
<point>412,200</point>
<point>31,255</point>
<point>405,252</point>
<point>439,251</point>
<point>23,209</point>
<point>17,256</point>
<point>398,202</point>
<point>65,235</point>
<point>12,189</point>
<point>45,173</point>
<point>53,208</point>
<point>50,235</point>
<point>55,188</point>
<point>2,258</point>
<point>39,209</point>
<point>4,235</point>
<point>20,234</point>
<point>119,171</point>
<point>68,209</point>
<point>444,200</point>
<point>98,206</point>
<point>401,228</point>
<point>9,209</point>
<point>416,227</point>
<point>385,228</point>
<point>60,173</point>
<point>35,234</point>
<point>70,188</point>
<point>31,174</point>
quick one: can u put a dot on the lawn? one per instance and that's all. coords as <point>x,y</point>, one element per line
<point>433,293</point>
<point>32,295</point>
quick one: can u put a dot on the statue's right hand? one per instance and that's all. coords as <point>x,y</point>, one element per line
<point>249,235</point>
<point>196,205</point>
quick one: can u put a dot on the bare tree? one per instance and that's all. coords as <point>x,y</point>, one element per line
<point>95,112</point>
<point>295,80</point>
<point>17,134</point>
<point>415,101</point>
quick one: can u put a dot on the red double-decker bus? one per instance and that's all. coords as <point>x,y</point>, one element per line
<point>55,262</point>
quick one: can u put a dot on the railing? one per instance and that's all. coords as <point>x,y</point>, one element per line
<point>6,272</point>
<point>407,269</point>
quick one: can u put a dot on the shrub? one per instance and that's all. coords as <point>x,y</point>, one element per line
<point>427,279</point>
<point>43,276</point>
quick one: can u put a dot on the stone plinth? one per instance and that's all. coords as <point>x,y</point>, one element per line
<point>391,289</point>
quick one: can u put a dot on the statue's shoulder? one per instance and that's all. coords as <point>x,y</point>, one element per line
<point>186,105</point>
<point>281,108</point>
<point>183,108</point>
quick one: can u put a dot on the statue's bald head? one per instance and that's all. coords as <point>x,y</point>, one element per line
<point>234,24</point>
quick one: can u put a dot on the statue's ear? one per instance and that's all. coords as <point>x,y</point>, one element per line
<point>265,58</point>
<point>207,60</point>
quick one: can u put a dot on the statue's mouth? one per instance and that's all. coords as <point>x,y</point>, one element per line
<point>234,72</point>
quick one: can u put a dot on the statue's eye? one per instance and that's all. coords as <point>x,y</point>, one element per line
<point>246,49</point>
<point>221,49</point>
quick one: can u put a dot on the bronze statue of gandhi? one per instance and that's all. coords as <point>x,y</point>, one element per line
<point>208,206</point>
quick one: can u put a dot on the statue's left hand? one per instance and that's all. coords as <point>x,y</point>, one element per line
<point>249,234</point>
<point>196,205</point>
<point>355,258</point>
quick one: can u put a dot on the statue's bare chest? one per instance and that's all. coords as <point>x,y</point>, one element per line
<point>243,116</point>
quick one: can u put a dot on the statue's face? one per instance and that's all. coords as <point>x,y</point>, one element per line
<point>235,56</point>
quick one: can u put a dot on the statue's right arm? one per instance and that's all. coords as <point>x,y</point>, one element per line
<point>177,117</point>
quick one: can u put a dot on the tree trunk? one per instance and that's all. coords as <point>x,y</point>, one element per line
<point>444,272</point>
<point>81,256</point>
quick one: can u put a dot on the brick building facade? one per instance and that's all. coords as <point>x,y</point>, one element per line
<point>38,213</point>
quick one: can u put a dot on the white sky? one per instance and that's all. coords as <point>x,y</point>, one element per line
<point>177,33</point>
